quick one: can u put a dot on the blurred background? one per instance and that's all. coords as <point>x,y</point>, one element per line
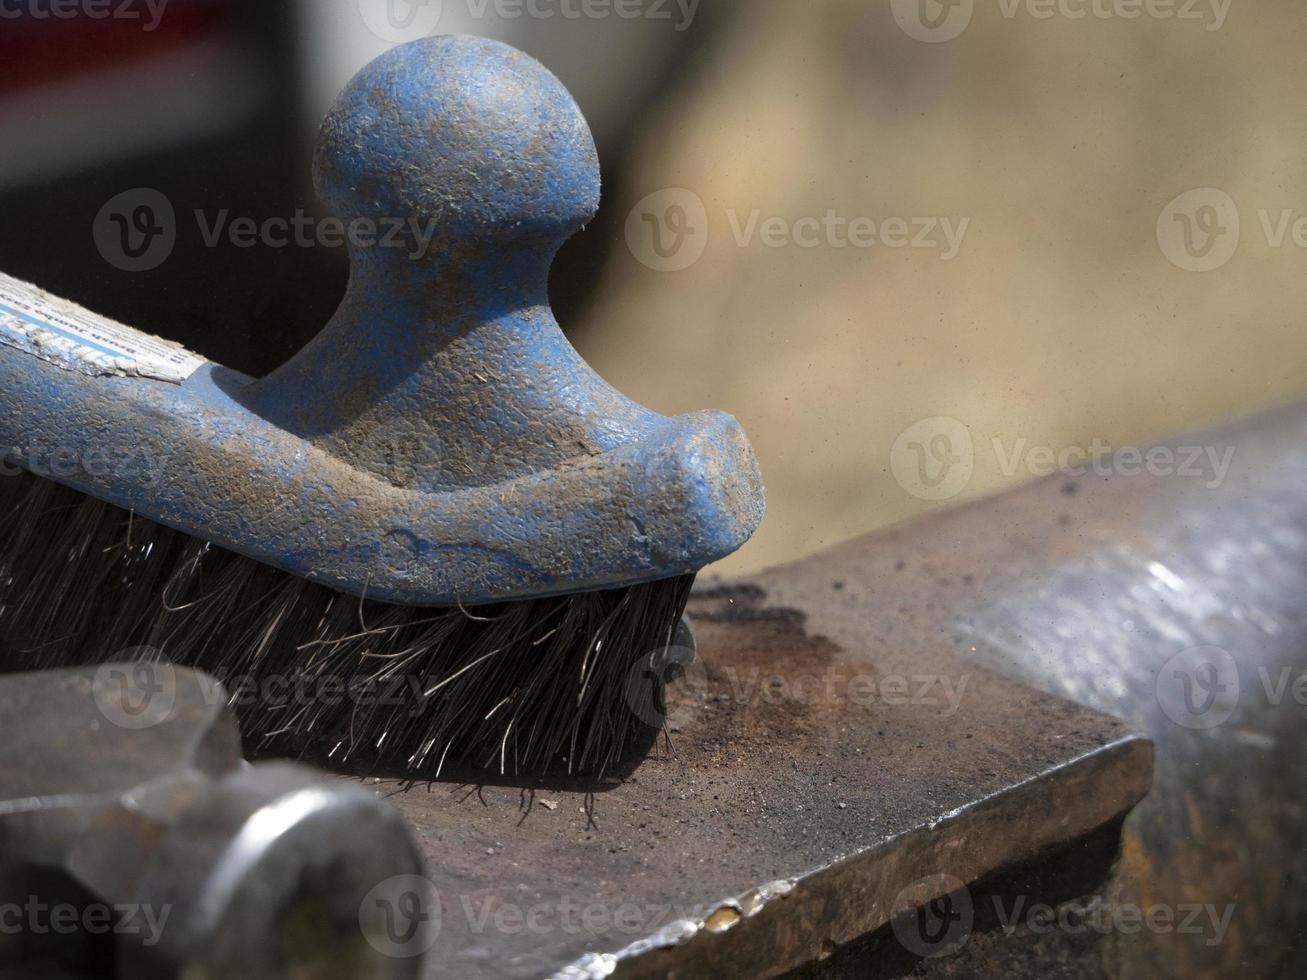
<point>922,249</point>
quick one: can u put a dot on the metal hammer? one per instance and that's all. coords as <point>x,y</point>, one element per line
<point>134,841</point>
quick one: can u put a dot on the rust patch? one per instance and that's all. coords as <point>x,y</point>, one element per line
<point>767,683</point>
<point>721,920</point>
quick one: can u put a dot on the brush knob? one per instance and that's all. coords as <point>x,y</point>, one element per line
<point>465,136</point>
<point>460,166</point>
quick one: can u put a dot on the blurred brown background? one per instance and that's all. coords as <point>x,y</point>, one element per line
<point>1049,138</point>
<point>1061,320</point>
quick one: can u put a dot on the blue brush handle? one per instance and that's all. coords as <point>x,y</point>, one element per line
<point>479,146</point>
<point>440,441</point>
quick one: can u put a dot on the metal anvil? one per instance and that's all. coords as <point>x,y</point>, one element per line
<point>860,782</point>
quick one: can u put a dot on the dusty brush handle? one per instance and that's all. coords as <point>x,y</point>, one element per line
<point>440,442</point>
<point>461,165</point>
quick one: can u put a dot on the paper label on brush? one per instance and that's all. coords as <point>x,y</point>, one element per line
<point>76,339</point>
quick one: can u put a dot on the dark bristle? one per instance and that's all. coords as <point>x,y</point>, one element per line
<point>520,688</point>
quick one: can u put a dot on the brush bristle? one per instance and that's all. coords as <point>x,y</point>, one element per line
<point>521,688</point>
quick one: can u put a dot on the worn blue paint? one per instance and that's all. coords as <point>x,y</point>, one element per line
<point>440,441</point>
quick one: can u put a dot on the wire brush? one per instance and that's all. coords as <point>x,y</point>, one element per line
<point>434,539</point>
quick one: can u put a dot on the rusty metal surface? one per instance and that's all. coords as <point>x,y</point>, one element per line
<point>1091,588</point>
<point>806,790</point>
<point>985,940</point>
<point>1111,592</point>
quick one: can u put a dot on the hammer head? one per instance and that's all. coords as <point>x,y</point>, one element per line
<point>132,834</point>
